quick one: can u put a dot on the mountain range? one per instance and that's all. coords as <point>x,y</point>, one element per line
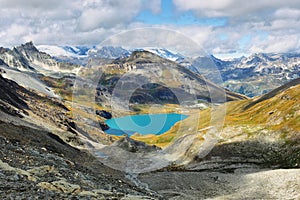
<point>29,59</point>
<point>253,75</point>
<point>256,74</point>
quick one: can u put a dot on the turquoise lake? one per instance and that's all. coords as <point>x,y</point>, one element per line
<point>144,124</point>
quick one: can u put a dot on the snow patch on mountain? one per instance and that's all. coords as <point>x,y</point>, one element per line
<point>78,50</point>
<point>55,51</point>
<point>165,53</point>
<point>64,51</point>
<point>108,52</point>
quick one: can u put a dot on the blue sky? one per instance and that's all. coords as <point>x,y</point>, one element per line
<point>226,28</point>
<point>168,15</point>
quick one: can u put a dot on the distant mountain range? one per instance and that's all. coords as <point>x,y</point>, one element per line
<point>251,76</point>
<point>106,52</point>
<point>158,69</point>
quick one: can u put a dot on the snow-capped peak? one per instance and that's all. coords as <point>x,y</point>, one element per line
<point>110,52</point>
<point>64,51</point>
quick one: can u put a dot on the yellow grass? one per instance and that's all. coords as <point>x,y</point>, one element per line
<point>264,114</point>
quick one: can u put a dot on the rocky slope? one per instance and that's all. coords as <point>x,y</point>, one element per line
<point>36,163</point>
<point>39,154</point>
<point>241,184</point>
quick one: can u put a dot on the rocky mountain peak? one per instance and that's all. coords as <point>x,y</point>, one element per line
<point>132,145</point>
<point>27,57</point>
<point>144,56</point>
<point>28,46</point>
<point>3,50</point>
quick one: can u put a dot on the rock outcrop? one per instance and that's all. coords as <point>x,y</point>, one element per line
<point>28,58</point>
<point>128,144</point>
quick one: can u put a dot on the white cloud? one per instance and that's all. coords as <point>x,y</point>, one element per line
<point>271,25</point>
<point>31,4</point>
<point>107,14</point>
<point>290,13</point>
<point>214,6</point>
<point>111,13</point>
<point>67,22</point>
<point>275,44</point>
<point>13,32</point>
<point>153,5</point>
<point>232,7</point>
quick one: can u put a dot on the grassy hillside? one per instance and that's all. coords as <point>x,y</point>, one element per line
<point>276,114</point>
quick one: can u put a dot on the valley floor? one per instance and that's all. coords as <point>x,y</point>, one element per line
<point>242,184</point>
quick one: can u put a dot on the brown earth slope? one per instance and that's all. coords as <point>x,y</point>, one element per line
<point>36,162</point>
